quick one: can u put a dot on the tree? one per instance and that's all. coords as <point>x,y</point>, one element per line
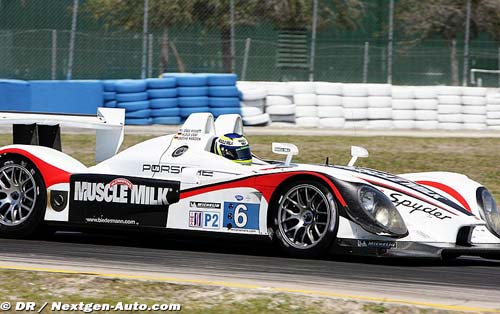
<point>215,15</point>
<point>297,14</point>
<point>424,19</point>
<point>128,15</point>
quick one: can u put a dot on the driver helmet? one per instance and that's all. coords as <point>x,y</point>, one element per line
<point>234,147</point>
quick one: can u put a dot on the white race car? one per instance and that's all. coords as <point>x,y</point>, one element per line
<point>176,182</point>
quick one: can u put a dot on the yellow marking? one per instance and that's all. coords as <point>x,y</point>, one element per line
<point>248,286</point>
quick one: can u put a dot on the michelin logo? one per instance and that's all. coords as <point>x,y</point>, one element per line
<point>120,191</point>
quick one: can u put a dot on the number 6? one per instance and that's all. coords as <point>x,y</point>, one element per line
<point>240,212</point>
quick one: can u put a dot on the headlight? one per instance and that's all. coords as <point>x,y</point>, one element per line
<point>381,211</point>
<point>489,210</point>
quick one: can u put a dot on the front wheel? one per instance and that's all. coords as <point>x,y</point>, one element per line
<point>22,197</point>
<point>306,219</point>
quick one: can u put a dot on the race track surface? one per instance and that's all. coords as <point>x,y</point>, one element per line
<point>464,283</point>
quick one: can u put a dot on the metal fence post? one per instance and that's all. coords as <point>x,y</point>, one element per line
<point>366,60</point>
<point>466,44</point>
<point>498,66</point>
<point>233,48</point>
<point>390,43</point>
<point>145,39</point>
<point>313,40</point>
<point>71,53</point>
<point>245,59</point>
<point>150,55</point>
<point>53,74</point>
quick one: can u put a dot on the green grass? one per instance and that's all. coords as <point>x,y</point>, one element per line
<point>474,157</point>
<point>40,287</point>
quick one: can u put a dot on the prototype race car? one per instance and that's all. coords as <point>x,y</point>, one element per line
<point>176,182</point>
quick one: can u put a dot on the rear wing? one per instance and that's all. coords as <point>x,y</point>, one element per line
<point>44,129</point>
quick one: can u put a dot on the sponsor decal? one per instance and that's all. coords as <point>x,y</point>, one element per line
<point>206,220</point>
<point>188,135</point>
<point>282,149</point>
<point>377,244</point>
<point>238,197</point>
<point>208,205</point>
<point>180,151</point>
<point>409,184</point>
<point>414,206</point>
<point>241,216</point>
<point>157,168</point>
<point>98,198</point>
<point>195,218</point>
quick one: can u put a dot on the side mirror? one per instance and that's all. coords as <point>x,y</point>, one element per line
<point>357,152</point>
<point>286,149</point>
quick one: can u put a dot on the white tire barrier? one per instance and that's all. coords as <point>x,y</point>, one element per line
<point>329,100</point>
<point>355,102</point>
<point>334,123</point>
<point>474,110</point>
<point>493,100</point>
<point>449,90</point>
<point>326,88</point>
<point>278,101</point>
<point>426,125</point>
<point>355,124</point>
<point>252,94</point>
<point>356,113</point>
<point>259,103</point>
<point>379,89</point>
<point>492,107</point>
<point>493,115</point>
<point>306,111</point>
<point>473,118</point>
<point>379,102</point>
<point>403,114</point>
<point>307,122</point>
<point>493,122</point>
<point>283,118</point>
<point>379,124</point>
<point>251,111</point>
<point>426,104</point>
<point>380,113</point>
<point>354,90</point>
<point>474,126</point>
<point>450,126</point>
<point>403,124</point>
<point>262,119</point>
<point>281,110</point>
<point>426,115</point>
<point>281,89</point>
<point>331,112</point>
<point>473,101</point>
<point>303,87</point>
<point>474,91</point>
<point>403,104</point>
<point>449,109</point>
<point>450,118</point>
<point>402,92</point>
<point>305,99</point>
<point>427,92</point>
<point>449,100</point>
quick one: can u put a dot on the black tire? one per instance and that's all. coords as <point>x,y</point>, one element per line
<point>284,238</point>
<point>34,188</point>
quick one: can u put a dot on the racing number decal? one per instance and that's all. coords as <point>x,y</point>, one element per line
<point>211,220</point>
<point>241,216</point>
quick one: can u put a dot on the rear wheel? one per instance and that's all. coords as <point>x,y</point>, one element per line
<point>305,219</point>
<point>22,197</point>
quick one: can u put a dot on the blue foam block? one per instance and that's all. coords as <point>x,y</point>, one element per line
<point>110,104</point>
<point>218,111</point>
<point>167,120</point>
<point>222,79</point>
<point>168,82</point>
<point>130,86</point>
<point>220,102</point>
<point>15,95</point>
<point>185,112</point>
<point>144,113</point>
<point>160,103</point>
<point>223,91</point>
<point>188,79</point>
<point>201,101</point>
<point>125,97</point>
<point>166,112</point>
<point>133,105</point>
<point>192,91</point>
<point>109,95</point>
<point>162,93</point>
<point>139,121</point>
<point>81,97</point>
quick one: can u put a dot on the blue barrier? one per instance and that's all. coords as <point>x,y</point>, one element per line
<point>15,95</point>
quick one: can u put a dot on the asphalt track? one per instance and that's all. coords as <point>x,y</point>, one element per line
<point>464,284</point>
